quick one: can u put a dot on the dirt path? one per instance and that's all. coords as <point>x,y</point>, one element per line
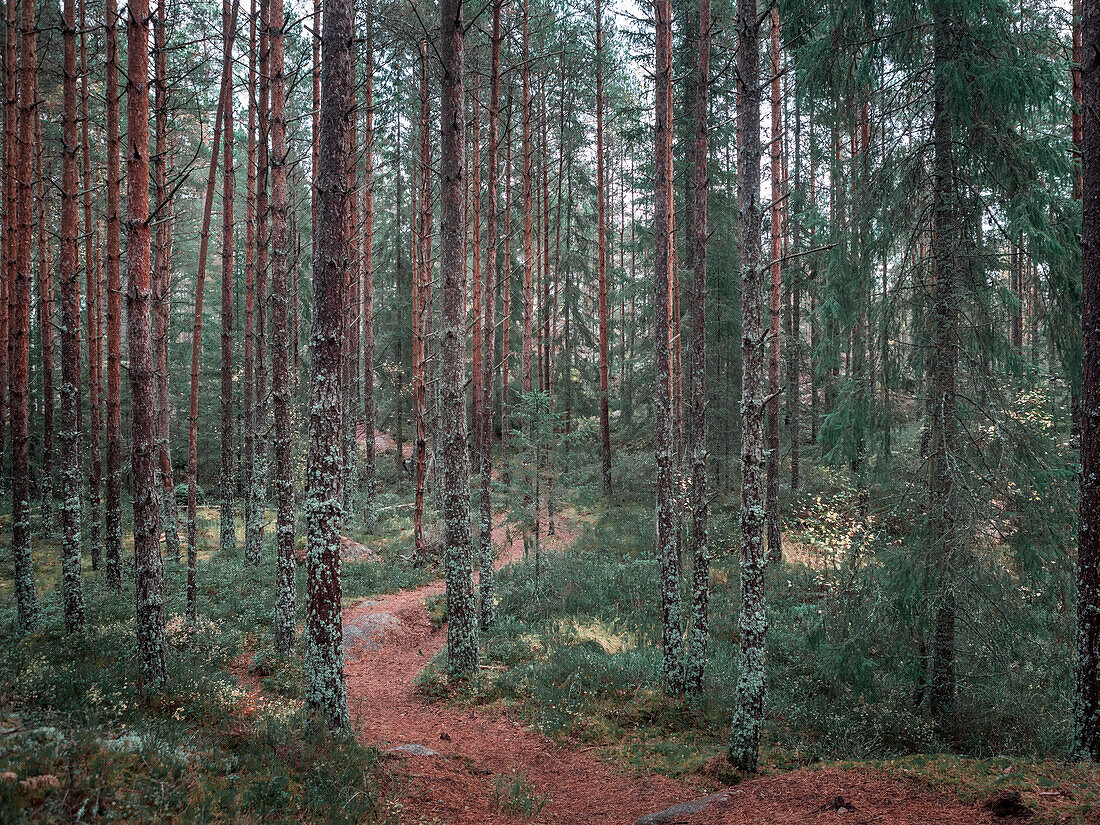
<point>475,747</point>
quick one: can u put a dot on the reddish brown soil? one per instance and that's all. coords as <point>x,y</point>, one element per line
<point>477,746</point>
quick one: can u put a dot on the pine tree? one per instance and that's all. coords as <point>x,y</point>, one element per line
<point>72,589</point>
<point>227,529</point>
<point>326,690</point>
<point>19,331</point>
<point>462,649</point>
<point>1086,709</point>
<point>672,673</point>
<point>744,751</point>
<point>280,379</point>
<point>113,469</point>
<point>149,574</point>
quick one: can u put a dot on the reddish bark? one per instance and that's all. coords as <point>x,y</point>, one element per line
<point>528,239</point>
<point>149,591</point>
<point>227,531</point>
<point>113,514</point>
<point>253,514</point>
<point>196,330</point>
<point>367,310</point>
<point>506,300</point>
<point>46,323</point>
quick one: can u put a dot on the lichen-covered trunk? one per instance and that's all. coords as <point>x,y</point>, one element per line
<point>71,459</point>
<point>487,597</point>
<point>149,591</point>
<point>227,531</point>
<point>326,691</point>
<point>775,542</point>
<point>350,377</point>
<point>699,628</point>
<point>162,277</point>
<point>1086,709</point>
<point>462,647</point>
<point>18,364</point>
<point>260,429</point>
<point>113,469</point>
<point>672,637</point>
<point>369,483</point>
<point>92,310</point>
<point>748,719</point>
<point>280,376</point>
<point>46,323</point>
<point>9,219</point>
<point>601,260</point>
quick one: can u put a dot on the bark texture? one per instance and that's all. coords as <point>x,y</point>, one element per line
<point>149,592</point>
<point>1087,661</point>
<point>672,637</point>
<point>326,689</point>
<point>748,720</point>
<point>462,650</point>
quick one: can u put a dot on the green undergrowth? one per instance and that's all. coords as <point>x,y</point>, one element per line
<point>227,739</point>
<point>577,652</point>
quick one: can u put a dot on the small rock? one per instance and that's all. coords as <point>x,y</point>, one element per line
<point>368,631</point>
<point>413,749</point>
<point>692,806</point>
<point>446,737</point>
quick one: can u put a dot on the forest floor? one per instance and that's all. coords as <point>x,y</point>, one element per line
<point>466,765</point>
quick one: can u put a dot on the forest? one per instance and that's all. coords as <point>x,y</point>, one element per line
<point>550,411</point>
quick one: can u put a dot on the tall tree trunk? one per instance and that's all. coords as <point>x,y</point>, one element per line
<point>227,532</point>
<point>1087,660</point>
<point>253,505</point>
<point>70,300</point>
<point>162,281</point>
<point>601,262</point>
<point>506,301</point>
<point>19,331</point>
<point>149,592</point>
<point>326,689</point>
<point>370,496</point>
<point>224,100</point>
<point>46,340</point>
<point>947,251</point>
<point>422,308</point>
<point>113,514</point>
<point>95,459</point>
<point>744,751</point>
<point>461,609</point>
<point>350,367</point>
<point>672,638</point>
<point>280,378</point>
<point>10,243</point>
<point>699,630</point>
<point>775,540</point>
<point>259,286</point>
<point>474,164</point>
<point>488,343</point>
<point>528,237</point>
